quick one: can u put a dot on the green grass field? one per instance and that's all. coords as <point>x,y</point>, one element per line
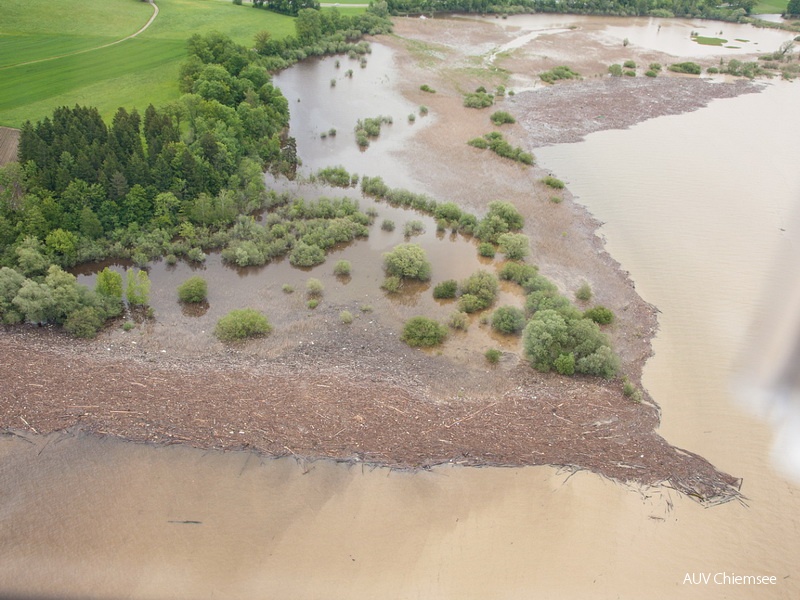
<point>134,73</point>
<point>766,7</point>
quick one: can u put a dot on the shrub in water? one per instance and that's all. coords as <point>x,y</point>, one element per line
<point>413,228</point>
<point>458,320</point>
<point>193,290</point>
<point>392,284</point>
<point>407,261</point>
<point>342,268</point>
<point>240,324</point>
<point>446,289</point>
<point>387,225</point>
<point>314,288</point>
<point>508,319</point>
<point>478,291</point>
<point>422,331</point>
<point>486,250</point>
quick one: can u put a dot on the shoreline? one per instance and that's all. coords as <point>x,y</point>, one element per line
<point>357,397</point>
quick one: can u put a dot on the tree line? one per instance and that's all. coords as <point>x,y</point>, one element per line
<point>710,9</point>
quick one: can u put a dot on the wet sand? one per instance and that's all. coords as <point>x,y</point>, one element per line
<point>364,396</point>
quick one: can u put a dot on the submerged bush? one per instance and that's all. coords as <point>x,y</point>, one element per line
<point>478,291</point>
<point>407,261</point>
<point>458,320</point>
<point>342,268</point>
<point>508,319</point>
<point>193,290</point>
<point>422,331</point>
<point>446,289</point>
<point>240,324</point>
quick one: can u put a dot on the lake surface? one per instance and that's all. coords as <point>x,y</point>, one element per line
<point>696,207</point>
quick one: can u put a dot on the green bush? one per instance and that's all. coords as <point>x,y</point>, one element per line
<point>557,73</point>
<point>615,70</point>
<point>486,250</point>
<point>651,73</point>
<point>478,291</point>
<point>287,289</point>
<point>346,317</point>
<point>128,325</point>
<point>602,363</point>
<point>478,100</point>
<point>600,315</point>
<point>493,355</point>
<point>446,289</point>
<point>84,322</point>
<point>313,303</point>
<point>306,255</point>
<point>423,110</point>
<point>392,284</point>
<point>413,228</point>
<point>518,272</point>
<point>503,217</point>
<point>314,288</point>
<point>508,319</point>
<point>240,324</point>
<point>458,320</point>
<point>553,182</point>
<point>655,67</point>
<point>515,246</point>
<point>407,261</point>
<point>565,364</point>
<point>584,292</point>
<point>342,268</point>
<point>691,68</point>
<point>193,290</point>
<point>629,64</point>
<point>138,287</point>
<point>427,88</point>
<point>422,331</point>
<point>502,117</point>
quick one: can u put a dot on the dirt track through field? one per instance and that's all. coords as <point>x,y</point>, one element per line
<point>9,141</point>
<point>133,35</point>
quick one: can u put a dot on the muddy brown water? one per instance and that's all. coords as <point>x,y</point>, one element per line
<point>694,209</point>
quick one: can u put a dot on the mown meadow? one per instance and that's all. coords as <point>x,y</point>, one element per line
<point>136,72</point>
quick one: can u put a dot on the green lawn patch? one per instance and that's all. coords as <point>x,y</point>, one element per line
<point>770,7</point>
<point>133,73</point>
<point>709,41</point>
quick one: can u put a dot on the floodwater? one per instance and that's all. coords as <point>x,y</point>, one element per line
<point>696,207</point>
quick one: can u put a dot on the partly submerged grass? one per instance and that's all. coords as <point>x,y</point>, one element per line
<point>133,73</point>
<point>709,41</point>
